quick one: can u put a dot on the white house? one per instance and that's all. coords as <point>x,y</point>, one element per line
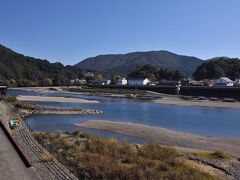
<point>223,81</point>
<point>122,81</point>
<point>138,82</point>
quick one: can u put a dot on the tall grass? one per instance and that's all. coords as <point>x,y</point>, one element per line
<point>100,158</point>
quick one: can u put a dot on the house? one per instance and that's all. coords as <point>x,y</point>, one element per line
<point>78,81</point>
<point>122,81</point>
<point>101,82</point>
<point>223,81</point>
<point>196,83</point>
<point>138,81</point>
<point>3,91</point>
<point>88,75</point>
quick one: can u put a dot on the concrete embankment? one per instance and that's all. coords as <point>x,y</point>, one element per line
<point>21,154</point>
<point>208,91</point>
<point>11,166</point>
<point>47,167</point>
<point>13,161</point>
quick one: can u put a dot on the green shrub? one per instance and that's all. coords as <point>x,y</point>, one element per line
<point>18,104</point>
<point>220,155</point>
<point>21,105</point>
<point>10,99</point>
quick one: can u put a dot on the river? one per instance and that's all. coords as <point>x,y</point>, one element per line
<point>208,121</point>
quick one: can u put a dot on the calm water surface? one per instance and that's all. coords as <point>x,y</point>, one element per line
<point>208,121</point>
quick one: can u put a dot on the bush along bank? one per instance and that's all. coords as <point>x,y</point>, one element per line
<point>92,157</point>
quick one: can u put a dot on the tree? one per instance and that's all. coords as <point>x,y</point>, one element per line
<point>153,73</point>
<point>114,79</point>
<point>146,71</point>
<point>46,82</point>
<point>28,71</point>
<point>206,82</point>
<point>12,82</point>
<point>217,68</point>
<point>98,77</point>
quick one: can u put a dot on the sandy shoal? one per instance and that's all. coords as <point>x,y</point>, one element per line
<point>166,136</point>
<point>204,103</point>
<point>55,99</point>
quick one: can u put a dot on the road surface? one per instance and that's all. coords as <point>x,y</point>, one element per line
<point>11,166</point>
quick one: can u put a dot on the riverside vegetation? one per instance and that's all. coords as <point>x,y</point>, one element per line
<point>93,157</point>
<point>105,90</point>
<point>18,104</point>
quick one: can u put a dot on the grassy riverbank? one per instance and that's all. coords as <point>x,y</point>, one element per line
<point>105,90</point>
<point>93,157</point>
<point>18,104</point>
<point>182,140</point>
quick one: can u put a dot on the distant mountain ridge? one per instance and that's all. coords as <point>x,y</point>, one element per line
<point>123,64</point>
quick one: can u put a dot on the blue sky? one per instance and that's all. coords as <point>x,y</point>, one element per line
<point>72,30</point>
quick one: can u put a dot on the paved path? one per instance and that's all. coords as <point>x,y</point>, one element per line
<point>11,166</point>
<point>53,170</point>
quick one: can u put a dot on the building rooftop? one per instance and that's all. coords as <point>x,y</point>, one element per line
<point>140,79</point>
<point>226,79</point>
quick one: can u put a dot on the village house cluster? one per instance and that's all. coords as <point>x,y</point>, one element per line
<point>220,82</point>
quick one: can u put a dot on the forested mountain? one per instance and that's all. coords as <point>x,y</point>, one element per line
<point>124,64</point>
<point>213,69</point>
<point>20,70</point>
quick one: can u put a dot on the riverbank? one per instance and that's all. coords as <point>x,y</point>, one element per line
<point>181,140</point>
<point>55,99</point>
<point>204,103</point>
<point>157,98</point>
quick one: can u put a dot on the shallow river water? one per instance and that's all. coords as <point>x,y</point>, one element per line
<point>209,121</point>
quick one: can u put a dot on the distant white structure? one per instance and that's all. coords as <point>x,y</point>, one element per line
<point>102,82</point>
<point>88,75</point>
<point>223,81</point>
<point>78,81</point>
<point>122,81</point>
<point>138,82</point>
<point>237,81</point>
